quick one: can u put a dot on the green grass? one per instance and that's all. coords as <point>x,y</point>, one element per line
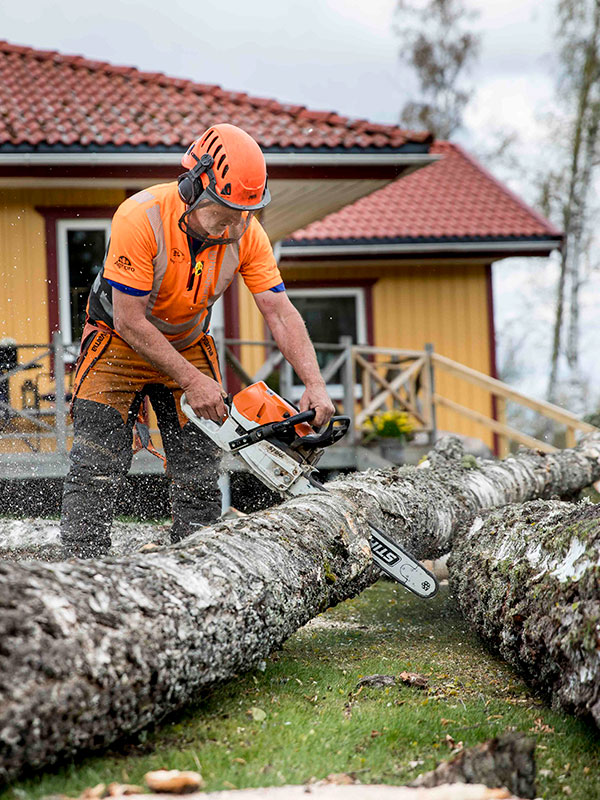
<point>316,722</point>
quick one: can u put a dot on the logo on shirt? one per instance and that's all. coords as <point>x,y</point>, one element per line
<point>123,262</point>
<point>177,256</point>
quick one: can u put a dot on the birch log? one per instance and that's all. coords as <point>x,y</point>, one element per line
<point>91,651</point>
<point>421,507</point>
<point>528,578</point>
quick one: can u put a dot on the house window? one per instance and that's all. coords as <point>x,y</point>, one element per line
<point>81,245</point>
<point>330,314</point>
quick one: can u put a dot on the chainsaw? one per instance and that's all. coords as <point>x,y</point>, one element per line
<point>281,448</point>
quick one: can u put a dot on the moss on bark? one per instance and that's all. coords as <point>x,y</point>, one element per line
<point>528,577</point>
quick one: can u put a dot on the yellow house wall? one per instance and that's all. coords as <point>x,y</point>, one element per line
<point>444,304</point>
<point>24,294</point>
<point>252,328</point>
<point>24,313</point>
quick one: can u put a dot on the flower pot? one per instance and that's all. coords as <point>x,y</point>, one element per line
<point>392,450</point>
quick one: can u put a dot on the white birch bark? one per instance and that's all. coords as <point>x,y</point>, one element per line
<point>91,651</point>
<point>527,577</point>
<point>421,507</point>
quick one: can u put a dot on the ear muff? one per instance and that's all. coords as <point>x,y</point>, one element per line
<point>190,183</point>
<point>188,187</point>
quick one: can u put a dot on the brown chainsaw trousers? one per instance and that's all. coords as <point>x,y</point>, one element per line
<point>110,384</point>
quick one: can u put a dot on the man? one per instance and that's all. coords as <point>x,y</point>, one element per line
<point>174,249</point>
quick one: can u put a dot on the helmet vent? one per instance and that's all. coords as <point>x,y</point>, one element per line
<point>225,170</point>
<point>212,143</point>
<point>221,160</point>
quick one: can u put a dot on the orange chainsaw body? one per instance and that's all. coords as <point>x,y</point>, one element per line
<point>262,405</point>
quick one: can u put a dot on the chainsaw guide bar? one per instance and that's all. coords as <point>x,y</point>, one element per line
<point>280,448</point>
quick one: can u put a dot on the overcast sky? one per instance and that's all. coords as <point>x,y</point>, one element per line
<point>339,55</point>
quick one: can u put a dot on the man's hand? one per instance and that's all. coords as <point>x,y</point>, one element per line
<point>206,396</point>
<point>316,397</point>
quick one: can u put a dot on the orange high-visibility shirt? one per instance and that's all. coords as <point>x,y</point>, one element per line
<point>148,252</point>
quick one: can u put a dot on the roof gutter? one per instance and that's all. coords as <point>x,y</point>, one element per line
<point>173,159</point>
<point>409,248</point>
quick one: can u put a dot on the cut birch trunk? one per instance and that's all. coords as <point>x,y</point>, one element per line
<point>420,507</point>
<point>91,651</point>
<point>528,578</point>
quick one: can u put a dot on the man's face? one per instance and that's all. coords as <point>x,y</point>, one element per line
<point>212,219</point>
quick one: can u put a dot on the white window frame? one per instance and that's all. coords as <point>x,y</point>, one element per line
<point>336,390</point>
<point>64,284</point>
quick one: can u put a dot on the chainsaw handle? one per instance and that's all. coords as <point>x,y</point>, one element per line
<point>335,430</point>
<point>270,430</point>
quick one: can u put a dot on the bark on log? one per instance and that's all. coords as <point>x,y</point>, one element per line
<point>90,651</point>
<point>421,507</point>
<point>528,579</point>
<point>506,761</point>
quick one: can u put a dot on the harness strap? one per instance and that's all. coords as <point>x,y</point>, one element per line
<point>207,343</point>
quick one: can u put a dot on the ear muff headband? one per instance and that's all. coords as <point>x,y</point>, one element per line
<point>190,183</point>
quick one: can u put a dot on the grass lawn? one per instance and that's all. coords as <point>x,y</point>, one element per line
<point>302,716</point>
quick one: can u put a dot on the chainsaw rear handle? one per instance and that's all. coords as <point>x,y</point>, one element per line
<point>334,431</point>
<point>337,428</point>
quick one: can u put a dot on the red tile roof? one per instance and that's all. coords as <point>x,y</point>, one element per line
<point>51,100</point>
<point>454,198</point>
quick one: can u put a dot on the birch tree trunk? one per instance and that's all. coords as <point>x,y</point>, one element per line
<point>93,650</point>
<point>421,507</point>
<point>528,579</point>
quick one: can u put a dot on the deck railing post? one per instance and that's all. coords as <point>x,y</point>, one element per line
<point>286,380</point>
<point>219,336</point>
<point>60,405</point>
<point>431,390</point>
<point>348,382</point>
<point>503,441</point>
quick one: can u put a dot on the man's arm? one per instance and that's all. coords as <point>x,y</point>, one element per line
<point>291,337</point>
<point>203,394</point>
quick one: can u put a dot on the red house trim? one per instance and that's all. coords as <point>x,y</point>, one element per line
<point>362,283</point>
<point>52,214</point>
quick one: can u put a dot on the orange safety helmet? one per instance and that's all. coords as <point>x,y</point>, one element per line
<point>225,165</point>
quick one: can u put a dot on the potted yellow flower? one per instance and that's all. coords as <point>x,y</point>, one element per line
<point>389,431</point>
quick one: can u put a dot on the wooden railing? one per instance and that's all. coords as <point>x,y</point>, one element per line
<point>38,416</point>
<point>363,381</point>
<point>502,393</point>
<point>374,378</point>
